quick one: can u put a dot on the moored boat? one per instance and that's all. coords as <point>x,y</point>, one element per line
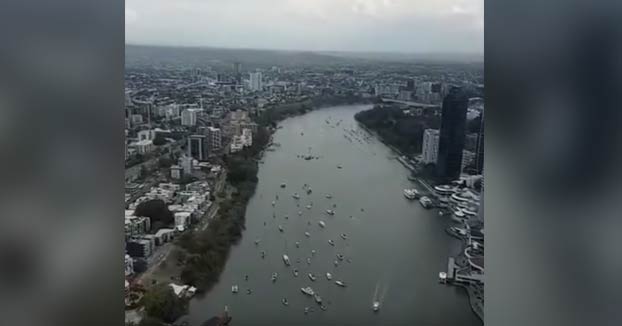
<point>331,242</point>
<point>322,224</point>
<point>308,290</point>
<point>340,283</point>
<point>274,276</point>
<point>286,260</point>
<point>312,277</point>
<point>329,276</point>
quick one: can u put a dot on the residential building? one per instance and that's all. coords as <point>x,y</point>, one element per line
<point>429,150</point>
<point>256,81</point>
<point>176,172</point>
<point>189,117</point>
<point>197,147</point>
<point>144,146</point>
<point>139,248</point>
<point>214,136</point>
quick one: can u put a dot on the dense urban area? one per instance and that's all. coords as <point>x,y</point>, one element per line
<point>197,122</point>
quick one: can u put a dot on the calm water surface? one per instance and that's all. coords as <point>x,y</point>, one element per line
<point>395,247</point>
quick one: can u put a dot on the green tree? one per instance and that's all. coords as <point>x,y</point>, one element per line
<point>161,302</point>
<point>157,211</point>
<point>150,321</point>
<point>159,140</point>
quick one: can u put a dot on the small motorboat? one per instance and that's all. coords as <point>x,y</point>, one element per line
<point>323,307</point>
<point>339,166</point>
<point>283,185</point>
<point>273,203</point>
<point>375,306</point>
<point>329,196</point>
<point>295,272</point>
<point>335,263</point>
<point>330,212</point>
<point>257,242</point>
<point>331,242</point>
<point>249,291</point>
<point>296,196</point>
<point>329,276</point>
<point>307,234</point>
<point>297,244</point>
<point>299,213</point>
<point>308,261</point>
<point>286,217</point>
<point>317,298</point>
<point>234,289</point>
<point>284,302</point>
<point>322,224</point>
<point>280,228</point>
<point>309,191</point>
<point>340,283</point>
<point>274,276</point>
<point>308,290</point>
<point>308,206</point>
<point>306,310</point>
<point>344,236</point>
<point>312,277</point>
<point>340,256</point>
<point>313,252</point>
<point>286,260</point>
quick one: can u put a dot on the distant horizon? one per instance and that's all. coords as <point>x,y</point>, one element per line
<point>377,52</point>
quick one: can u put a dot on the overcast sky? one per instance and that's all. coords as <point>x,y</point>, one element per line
<point>421,26</point>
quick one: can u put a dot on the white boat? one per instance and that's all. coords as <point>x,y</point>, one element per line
<point>329,276</point>
<point>286,260</point>
<point>299,213</point>
<point>274,276</point>
<point>411,193</point>
<point>307,234</point>
<point>336,263</point>
<point>280,228</point>
<point>295,272</point>
<point>330,212</point>
<point>284,301</point>
<point>375,306</point>
<point>234,289</point>
<point>425,202</point>
<point>296,196</point>
<point>306,310</point>
<point>322,224</point>
<point>297,244</point>
<point>308,206</point>
<point>308,290</point>
<point>317,298</point>
<point>257,242</point>
<point>313,252</point>
<point>344,236</point>
<point>273,203</point>
<point>329,196</point>
<point>312,277</point>
<point>331,242</point>
<point>308,261</point>
<point>340,283</point>
<point>340,256</point>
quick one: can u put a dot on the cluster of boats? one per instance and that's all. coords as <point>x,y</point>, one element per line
<point>413,194</point>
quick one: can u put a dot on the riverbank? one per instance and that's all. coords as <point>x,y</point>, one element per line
<point>475,294</point>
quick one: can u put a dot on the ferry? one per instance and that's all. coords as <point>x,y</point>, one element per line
<point>330,212</point>
<point>340,283</point>
<point>329,276</point>
<point>308,290</point>
<point>312,277</point>
<point>274,276</point>
<point>425,202</point>
<point>411,193</point>
<point>322,224</point>
<point>286,260</point>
